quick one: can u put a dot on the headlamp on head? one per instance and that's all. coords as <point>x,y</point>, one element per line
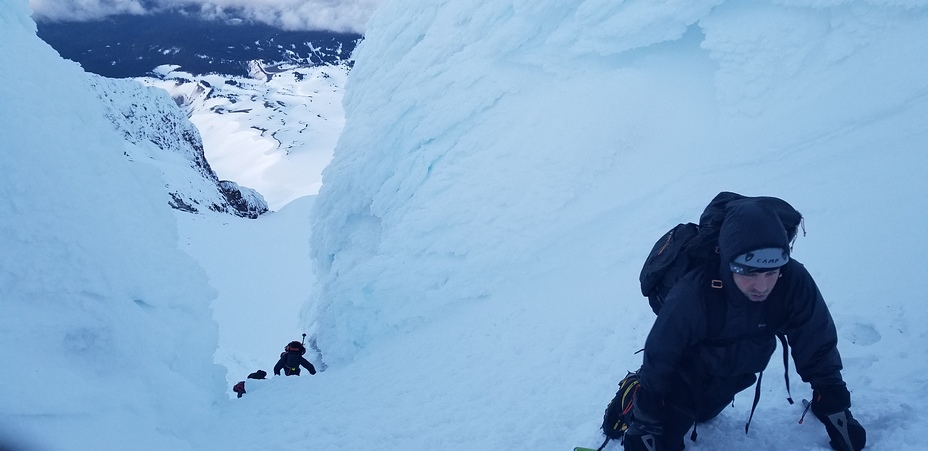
<point>761,260</point>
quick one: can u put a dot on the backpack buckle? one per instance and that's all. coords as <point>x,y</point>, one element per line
<point>716,283</point>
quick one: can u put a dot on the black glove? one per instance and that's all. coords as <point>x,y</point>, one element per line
<point>642,435</point>
<point>831,405</point>
<point>312,371</point>
<point>644,425</point>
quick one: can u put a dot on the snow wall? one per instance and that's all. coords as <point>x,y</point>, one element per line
<point>107,334</point>
<point>478,133</point>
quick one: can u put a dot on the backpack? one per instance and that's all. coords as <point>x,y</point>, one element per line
<point>294,346</point>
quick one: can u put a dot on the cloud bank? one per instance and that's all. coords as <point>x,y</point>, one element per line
<point>335,15</point>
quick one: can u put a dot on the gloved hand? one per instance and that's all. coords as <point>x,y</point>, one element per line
<point>831,405</point>
<point>312,371</point>
<point>644,425</point>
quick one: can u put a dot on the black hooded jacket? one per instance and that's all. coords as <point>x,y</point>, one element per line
<point>717,367</point>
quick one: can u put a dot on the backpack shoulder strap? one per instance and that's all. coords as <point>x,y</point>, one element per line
<point>716,306</point>
<point>785,345</point>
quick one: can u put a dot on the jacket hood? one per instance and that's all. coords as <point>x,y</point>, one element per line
<point>749,227</point>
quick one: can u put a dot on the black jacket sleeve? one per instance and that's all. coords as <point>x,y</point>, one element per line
<point>279,366</point>
<point>680,324</point>
<point>309,366</point>
<point>811,331</point>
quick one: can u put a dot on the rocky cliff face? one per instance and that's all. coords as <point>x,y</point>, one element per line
<point>157,132</point>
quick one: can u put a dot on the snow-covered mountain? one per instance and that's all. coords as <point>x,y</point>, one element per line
<point>266,102</point>
<point>273,131</point>
<point>161,135</point>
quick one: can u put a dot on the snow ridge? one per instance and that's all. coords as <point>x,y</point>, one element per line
<point>158,133</point>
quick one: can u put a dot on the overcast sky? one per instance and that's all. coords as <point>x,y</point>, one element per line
<point>336,15</point>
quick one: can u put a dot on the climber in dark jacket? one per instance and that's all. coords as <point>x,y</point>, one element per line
<point>291,360</point>
<point>689,377</point>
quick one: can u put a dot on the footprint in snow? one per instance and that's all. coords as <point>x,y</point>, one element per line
<point>862,334</point>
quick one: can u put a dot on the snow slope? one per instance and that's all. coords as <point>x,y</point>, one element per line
<point>264,278</point>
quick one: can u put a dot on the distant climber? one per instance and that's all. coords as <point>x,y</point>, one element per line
<point>239,388</point>
<point>291,360</point>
